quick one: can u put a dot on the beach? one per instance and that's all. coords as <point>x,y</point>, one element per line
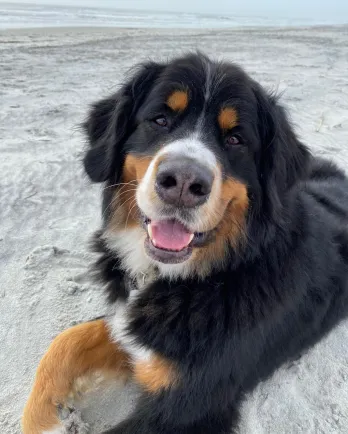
<point>49,209</point>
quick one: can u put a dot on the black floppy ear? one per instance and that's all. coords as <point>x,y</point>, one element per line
<point>99,128</point>
<point>111,121</point>
<point>283,158</point>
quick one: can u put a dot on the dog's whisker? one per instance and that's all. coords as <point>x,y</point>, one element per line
<point>116,198</point>
<point>126,201</point>
<point>129,212</point>
<point>125,192</point>
<point>112,202</point>
<point>122,184</point>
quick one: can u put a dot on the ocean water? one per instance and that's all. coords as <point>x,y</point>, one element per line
<point>25,15</point>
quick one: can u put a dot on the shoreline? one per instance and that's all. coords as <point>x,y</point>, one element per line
<point>116,29</point>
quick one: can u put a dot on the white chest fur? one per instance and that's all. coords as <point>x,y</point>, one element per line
<point>129,245</point>
<point>119,321</point>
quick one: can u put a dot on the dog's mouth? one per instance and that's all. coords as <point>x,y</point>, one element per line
<point>170,242</point>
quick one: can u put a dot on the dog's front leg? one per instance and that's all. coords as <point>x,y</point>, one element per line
<point>76,354</point>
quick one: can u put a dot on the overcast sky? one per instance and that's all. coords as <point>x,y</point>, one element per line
<point>324,9</point>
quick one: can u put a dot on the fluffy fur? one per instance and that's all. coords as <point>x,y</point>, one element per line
<point>268,297</point>
<point>266,275</point>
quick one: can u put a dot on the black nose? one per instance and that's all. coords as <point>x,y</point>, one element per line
<point>183,182</point>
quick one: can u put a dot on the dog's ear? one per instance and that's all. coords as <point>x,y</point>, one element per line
<point>283,158</point>
<point>111,121</point>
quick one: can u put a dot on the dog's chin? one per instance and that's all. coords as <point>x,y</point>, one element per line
<point>170,242</point>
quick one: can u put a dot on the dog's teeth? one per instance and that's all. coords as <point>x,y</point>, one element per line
<point>191,238</point>
<point>149,231</point>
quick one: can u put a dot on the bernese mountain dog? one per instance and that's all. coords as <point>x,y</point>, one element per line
<point>223,250</point>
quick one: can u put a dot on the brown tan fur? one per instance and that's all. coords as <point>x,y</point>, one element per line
<point>228,118</point>
<point>178,100</point>
<point>76,355</point>
<point>77,352</point>
<point>232,210</point>
<point>135,167</point>
<point>156,374</point>
<point>124,210</point>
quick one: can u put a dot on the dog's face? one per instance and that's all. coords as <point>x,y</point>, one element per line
<point>181,149</point>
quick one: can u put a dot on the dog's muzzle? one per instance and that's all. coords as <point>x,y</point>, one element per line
<point>183,183</point>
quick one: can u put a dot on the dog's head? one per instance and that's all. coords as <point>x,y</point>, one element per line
<point>189,152</point>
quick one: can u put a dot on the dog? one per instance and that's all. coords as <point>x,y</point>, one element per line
<point>223,250</point>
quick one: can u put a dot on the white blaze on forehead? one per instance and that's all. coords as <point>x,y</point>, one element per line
<point>208,81</point>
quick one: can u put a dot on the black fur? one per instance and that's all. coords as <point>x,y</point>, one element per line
<point>276,297</point>
<point>107,270</point>
<point>111,122</point>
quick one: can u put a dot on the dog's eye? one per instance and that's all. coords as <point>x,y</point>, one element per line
<point>234,140</point>
<point>161,121</point>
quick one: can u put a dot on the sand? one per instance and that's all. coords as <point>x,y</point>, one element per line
<point>49,209</point>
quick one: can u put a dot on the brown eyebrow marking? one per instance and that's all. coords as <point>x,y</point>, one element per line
<point>228,118</point>
<point>178,100</point>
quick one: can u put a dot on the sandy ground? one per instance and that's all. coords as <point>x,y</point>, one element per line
<point>49,210</point>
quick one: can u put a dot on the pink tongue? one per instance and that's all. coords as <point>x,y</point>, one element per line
<point>170,235</point>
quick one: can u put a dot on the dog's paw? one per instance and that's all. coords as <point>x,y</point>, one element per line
<point>72,422</point>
